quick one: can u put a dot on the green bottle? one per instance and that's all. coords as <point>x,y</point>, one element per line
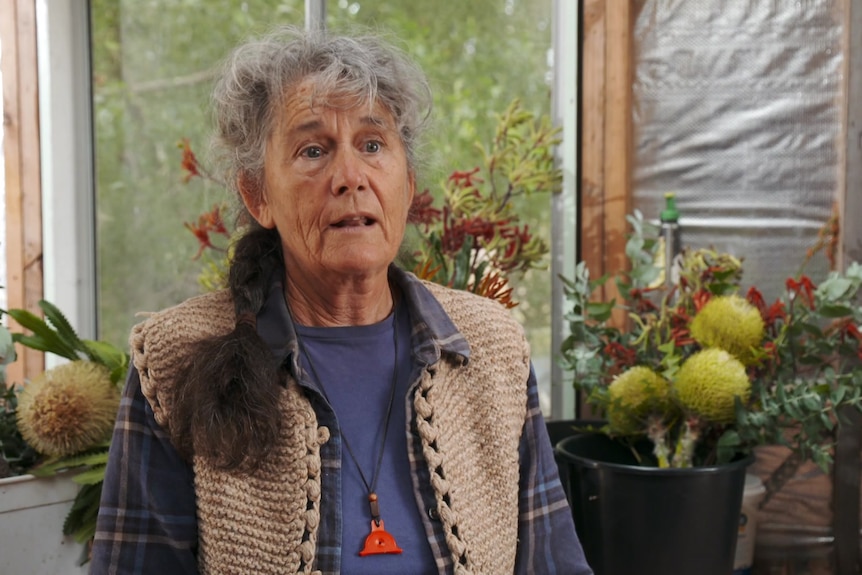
<point>671,234</point>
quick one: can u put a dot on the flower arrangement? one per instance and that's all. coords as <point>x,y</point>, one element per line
<point>701,370</point>
<point>475,241</point>
<point>61,420</point>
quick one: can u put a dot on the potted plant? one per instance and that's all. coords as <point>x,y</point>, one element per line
<point>54,437</point>
<point>696,375</point>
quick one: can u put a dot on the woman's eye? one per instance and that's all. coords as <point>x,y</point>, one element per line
<point>312,152</point>
<point>373,146</point>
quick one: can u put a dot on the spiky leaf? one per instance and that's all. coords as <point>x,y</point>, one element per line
<point>44,338</point>
<point>62,326</point>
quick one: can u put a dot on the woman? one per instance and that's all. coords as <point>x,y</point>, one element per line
<point>329,413</point>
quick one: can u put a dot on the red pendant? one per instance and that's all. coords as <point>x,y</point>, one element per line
<point>379,541</point>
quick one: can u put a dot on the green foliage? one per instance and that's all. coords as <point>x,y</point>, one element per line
<point>16,456</point>
<point>803,369</point>
<point>80,522</point>
<point>89,472</point>
<point>55,335</point>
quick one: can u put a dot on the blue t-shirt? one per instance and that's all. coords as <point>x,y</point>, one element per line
<point>354,366</point>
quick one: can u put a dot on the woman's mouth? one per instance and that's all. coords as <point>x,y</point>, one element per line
<point>353,221</point>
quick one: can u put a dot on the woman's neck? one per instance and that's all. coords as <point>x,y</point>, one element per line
<point>362,301</point>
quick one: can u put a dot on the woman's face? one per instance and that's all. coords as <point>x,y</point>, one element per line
<point>336,186</point>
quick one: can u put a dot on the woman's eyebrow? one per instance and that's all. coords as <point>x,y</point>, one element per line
<point>310,126</point>
<point>314,125</point>
<point>374,121</point>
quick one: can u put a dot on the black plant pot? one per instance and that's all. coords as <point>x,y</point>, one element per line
<point>560,429</point>
<point>650,521</point>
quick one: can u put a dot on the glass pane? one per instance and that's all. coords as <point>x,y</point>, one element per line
<point>152,64</point>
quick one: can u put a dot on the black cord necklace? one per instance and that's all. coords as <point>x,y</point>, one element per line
<point>379,541</point>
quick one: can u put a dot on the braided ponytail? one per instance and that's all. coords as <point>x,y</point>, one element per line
<point>226,409</point>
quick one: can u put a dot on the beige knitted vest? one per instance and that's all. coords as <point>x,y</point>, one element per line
<point>470,419</point>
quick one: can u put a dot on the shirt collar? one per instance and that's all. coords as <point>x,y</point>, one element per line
<point>433,333</point>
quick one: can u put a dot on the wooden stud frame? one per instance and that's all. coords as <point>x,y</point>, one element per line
<point>606,138</point>
<point>23,242</point>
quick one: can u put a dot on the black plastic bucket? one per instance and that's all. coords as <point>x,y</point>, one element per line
<point>559,429</point>
<point>634,520</point>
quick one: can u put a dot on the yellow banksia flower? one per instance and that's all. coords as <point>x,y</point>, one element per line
<point>709,382</point>
<point>730,323</point>
<point>633,396</point>
<point>68,409</point>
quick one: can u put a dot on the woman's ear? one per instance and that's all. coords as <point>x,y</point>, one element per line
<point>411,187</point>
<point>254,198</point>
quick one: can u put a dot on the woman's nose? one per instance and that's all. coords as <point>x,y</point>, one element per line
<point>349,172</point>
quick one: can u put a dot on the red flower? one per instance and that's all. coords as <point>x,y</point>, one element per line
<point>189,161</point>
<point>847,328</point>
<point>208,223</point>
<point>518,238</point>
<point>775,312</point>
<point>496,287</point>
<point>641,304</point>
<point>203,236</point>
<point>679,332</point>
<point>852,330</point>
<point>456,230</point>
<point>755,298</point>
<point>623,356</point>
<point>700,298</point>
<point>465,179</point>
<point>422,211</point>
<point>804,287</point>
<point>479,227</point>
<point>681,336</point>
<point>214,221</point>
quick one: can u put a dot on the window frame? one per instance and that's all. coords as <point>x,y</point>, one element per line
<point>67,161</point>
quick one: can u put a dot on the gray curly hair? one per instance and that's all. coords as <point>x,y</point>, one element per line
<point>260,74</point>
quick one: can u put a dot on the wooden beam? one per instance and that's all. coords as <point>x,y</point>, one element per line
<point>592,125</point>
<point>618,148</point>
<point>19,65</point>
<point>606,139</point>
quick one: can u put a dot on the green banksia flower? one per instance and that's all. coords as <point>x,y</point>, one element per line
<point>634,395</point>
<point>729,323</point>
<point>68,408</point>
<point>708,382</point>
